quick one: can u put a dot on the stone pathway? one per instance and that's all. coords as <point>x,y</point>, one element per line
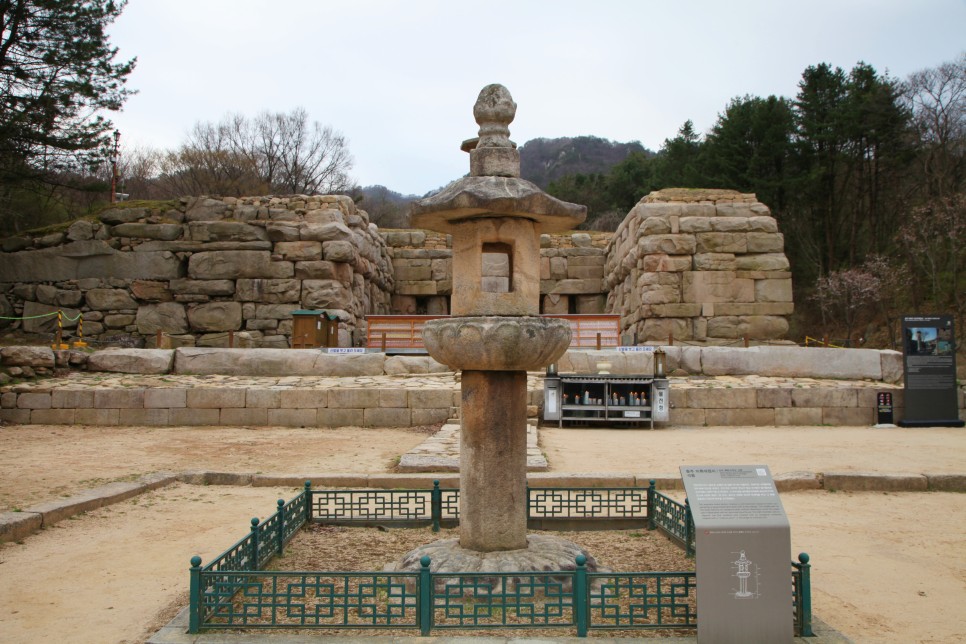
<point>441,452</point>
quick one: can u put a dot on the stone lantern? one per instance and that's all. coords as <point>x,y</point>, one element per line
<point>495,335</point>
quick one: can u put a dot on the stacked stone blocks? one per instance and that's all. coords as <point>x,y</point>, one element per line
<point>704,265</point>
<point>571,272</point>
<point>199,268</point>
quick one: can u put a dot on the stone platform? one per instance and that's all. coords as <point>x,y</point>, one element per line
<point>86,398</point>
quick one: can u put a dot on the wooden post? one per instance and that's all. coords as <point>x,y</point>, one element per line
<point>670,339</point>
<point>746,340</point>
<point>383,341</point>
<point>231,339</point>
<point>157,340</point>
<point>598,341</point>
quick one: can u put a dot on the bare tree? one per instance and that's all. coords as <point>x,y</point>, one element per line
<point>937,98</point>
<point>278,153</point>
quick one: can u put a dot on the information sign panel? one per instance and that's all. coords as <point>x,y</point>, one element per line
<point>742,556</point>
<point>929,370</point>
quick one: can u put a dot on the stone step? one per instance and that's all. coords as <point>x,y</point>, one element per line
<point>441,452</point>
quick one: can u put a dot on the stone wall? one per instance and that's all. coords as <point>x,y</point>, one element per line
<point>197,268</point>
<point>571,272</point>
<point>703,265</point>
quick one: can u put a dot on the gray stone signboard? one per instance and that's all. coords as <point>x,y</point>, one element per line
<point>743,554</point>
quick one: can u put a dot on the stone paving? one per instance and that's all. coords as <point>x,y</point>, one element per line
<point>441,452</point>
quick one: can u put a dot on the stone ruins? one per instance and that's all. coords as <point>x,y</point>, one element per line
<point>705,266</point>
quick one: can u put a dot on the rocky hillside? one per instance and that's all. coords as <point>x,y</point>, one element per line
<point>546,160</point>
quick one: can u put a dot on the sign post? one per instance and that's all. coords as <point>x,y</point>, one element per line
<point>742,555</point>
<point>929,371</point>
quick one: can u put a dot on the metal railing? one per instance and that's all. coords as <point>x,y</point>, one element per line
<point>405,332</point>
<point>232,591</point>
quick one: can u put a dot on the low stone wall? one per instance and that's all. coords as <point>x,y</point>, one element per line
<point>309,388</point>
<point>309,405</point>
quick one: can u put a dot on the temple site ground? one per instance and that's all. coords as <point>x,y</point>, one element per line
<point>887,566</point>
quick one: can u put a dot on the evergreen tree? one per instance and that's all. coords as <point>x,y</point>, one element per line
<point>57,74</point>
<point>749,149</point>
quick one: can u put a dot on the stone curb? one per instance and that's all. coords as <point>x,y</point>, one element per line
<point>15,526</point>
<point>870,481</point>
<point>947,482</point>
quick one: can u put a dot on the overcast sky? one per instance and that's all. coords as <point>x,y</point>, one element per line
<point>399,79</point>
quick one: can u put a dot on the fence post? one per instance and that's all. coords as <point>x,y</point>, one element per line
<point>688,528</point>
<point>580,595</point>
<point>425,596</point>
<point>254,523</point>
<point>670,339</point>
<point>805,599</point>
<point>281,526</point>
<point>231,339</point>
<point>194,601</point>
<point>383,341</point>
<point>598,341</point>
<point>308,501</point>
<point>436,505</point>
<point>651,518</point>
<point>746,340</point>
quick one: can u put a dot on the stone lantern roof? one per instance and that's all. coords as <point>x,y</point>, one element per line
<point>494,187</point>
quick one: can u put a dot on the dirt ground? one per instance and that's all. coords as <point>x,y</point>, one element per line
<point>783,449</point>
<point>886,567</point>
<point>43,462</point>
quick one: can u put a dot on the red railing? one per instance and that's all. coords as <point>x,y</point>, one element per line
<point>389,332</point>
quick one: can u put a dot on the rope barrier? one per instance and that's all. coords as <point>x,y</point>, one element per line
<point>31,317</point>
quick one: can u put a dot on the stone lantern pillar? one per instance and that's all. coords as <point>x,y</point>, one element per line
<point>495,334</point>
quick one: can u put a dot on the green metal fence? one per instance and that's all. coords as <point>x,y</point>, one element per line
<point>232,591</point>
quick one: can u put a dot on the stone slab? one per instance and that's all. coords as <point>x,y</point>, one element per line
<point>947,482</point>
<point>52,417</point>
<point>60,509</point>
<point>143,361</point>
<point>244,416</point>
<point>793,362</point>
<point>293,417</point>
<point>205,477</point>
<point>195,417</point>
<point>581,479</point>
<point>740,417</point>
<point>871,481</point>
<point>794,481</point>
<point>847,416</point>
<point>334,417</point>
<point>318,480</point>
<point>17,526</point>
<point>215,398</point>
<point>414,481</point>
